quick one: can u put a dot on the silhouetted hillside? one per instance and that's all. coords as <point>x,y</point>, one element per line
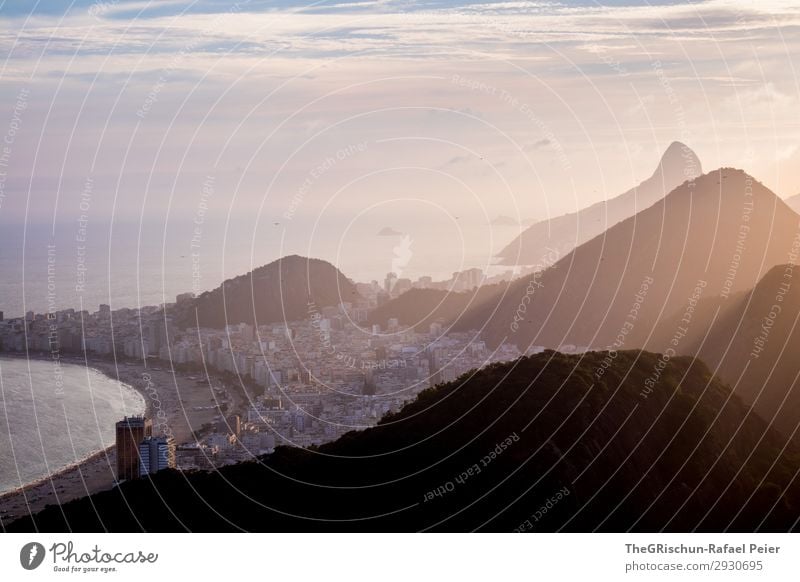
<point>277,292</point>
<point>707,311</point>
<point>564,233</point>
<point>543,443</point>
<point>421,307</point>
<point>716,236</point>
<point>752,345</point>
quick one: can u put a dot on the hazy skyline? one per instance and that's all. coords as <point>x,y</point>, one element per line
<point>440,113</point>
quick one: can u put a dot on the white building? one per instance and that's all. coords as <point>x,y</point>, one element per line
<point>155,454</point>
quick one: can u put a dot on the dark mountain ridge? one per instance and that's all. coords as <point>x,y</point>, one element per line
<point>750,343</point>
<point>543,443</point>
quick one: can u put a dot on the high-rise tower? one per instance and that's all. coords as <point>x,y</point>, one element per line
<point>131,431</point>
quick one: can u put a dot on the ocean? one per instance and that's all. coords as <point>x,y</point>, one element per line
<point>51,418</point>
<point>125,265</point>
<point>76,265</point>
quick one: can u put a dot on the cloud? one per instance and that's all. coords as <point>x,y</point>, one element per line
<point>389,231</point>
<point>455,161</point>
<point>261,81</point>
<point>538,145</point>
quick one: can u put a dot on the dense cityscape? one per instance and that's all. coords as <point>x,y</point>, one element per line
<point>298,383</point>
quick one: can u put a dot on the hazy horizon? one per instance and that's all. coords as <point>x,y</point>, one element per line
<point>574,104</point>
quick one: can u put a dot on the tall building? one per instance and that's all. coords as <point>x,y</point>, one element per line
<point>153,337</point>
<point>195,456</point>
<point>131,431</point>
<point>472,278</point>
<point>231,425</point>
<point>155,454</point>
<point>424,282</point>
<point>247,332</point>
<point>235,422</point>
<point>389,281</point>
<point>161,332</point>
<point>434,366</point>
<point>369,388</point>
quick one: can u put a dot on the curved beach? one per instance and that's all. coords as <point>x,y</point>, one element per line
<point>169,398</point>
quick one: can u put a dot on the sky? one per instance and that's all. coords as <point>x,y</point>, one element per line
<point>309,127</point>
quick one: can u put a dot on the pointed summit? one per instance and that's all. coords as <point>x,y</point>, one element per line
<point>690,244</point>
<point>563,233</point>
<point>678,164</point>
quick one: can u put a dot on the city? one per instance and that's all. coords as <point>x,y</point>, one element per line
<point>299,383</point>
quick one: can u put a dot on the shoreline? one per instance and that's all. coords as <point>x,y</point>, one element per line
<point>56,474</point>
<point>86,363</point>
<point>92,456</point>
<point>174,396</point>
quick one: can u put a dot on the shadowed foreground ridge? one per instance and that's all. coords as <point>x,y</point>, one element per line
<point>689,455</point>
<point>748,340</point>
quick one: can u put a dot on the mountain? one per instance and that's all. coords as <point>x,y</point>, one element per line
<point>562,234</point>
<point>793,202</point>
<point>752,342</point>
<point>277,292</point>
<point>715,236</point>
<point>543,443</point>
<point>422,307</point>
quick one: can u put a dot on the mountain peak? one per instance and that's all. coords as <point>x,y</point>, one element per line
<point>678,164</point>
<point>563,233</point>
<point>273,293</point>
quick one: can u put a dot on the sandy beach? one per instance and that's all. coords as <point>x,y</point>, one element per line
<point>179,405</point>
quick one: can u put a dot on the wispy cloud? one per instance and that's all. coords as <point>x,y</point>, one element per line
<point>272,88</point>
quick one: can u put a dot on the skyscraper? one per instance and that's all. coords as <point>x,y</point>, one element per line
<point>369,388</point>
<point>131,431</point>
<point>155,454</point>
<point>388,283</point>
